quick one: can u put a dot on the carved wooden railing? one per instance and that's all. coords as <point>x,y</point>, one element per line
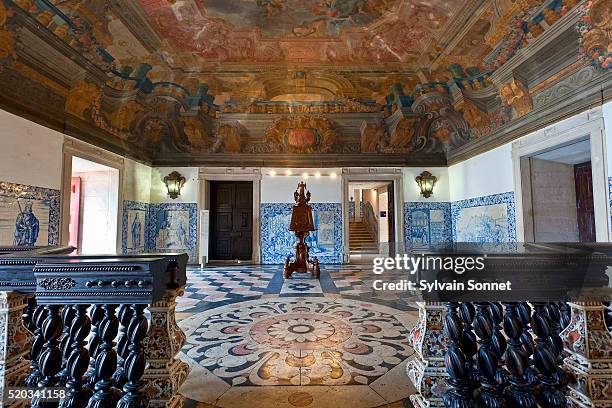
<point>80,323</point>
<point>514,353</point>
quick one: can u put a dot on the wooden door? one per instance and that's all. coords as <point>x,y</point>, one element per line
<point>584,202</point>
<point>231,220</point>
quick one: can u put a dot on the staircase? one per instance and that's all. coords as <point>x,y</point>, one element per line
<point>360,239</point>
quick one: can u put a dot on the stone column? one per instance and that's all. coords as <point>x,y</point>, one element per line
<point>15,344</point>
<point>589,344</point>
<point>165,373</point>
<point>426,370</point>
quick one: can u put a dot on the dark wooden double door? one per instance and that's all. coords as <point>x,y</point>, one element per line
<point>231,220</point>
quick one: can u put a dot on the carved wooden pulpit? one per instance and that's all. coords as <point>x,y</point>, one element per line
<point>301,224</point>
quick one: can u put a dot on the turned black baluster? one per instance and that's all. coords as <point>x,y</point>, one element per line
<point>28,314</point>
<point>125,316</point>
<point>68,314</point>
<point>608,315</point>
<point>105,396</point>
<point>135,362</point>
<point>566,314</point>
<point>78,360</point>
<point>490,394</point>
<point>524,314</point>
<point>498,341</point>
<point>554,317</point>
<point>50,358</point>
<point>95,314</point>
<point>517,360</point>
<point>459,394</point>
<point>548,395</point>
<point>469,346</point>
<point>38,317</point>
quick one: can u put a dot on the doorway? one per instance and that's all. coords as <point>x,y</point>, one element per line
<point>231,220</point>
<point>94,206</point>
<point>371,219</point>
<point>557,190</point>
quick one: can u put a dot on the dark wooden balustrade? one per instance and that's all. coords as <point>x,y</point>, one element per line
<point>516,353</point>
<point>80,322</point>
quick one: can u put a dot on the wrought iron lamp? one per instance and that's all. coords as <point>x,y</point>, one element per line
<point>174,182</point>
<point>426,182</point>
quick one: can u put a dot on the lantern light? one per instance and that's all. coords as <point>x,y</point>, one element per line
<point>174,182</point>
<point>426,182</point>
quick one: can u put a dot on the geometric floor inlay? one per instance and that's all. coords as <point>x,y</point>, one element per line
<point>255,339</point>
<point>298,341</point>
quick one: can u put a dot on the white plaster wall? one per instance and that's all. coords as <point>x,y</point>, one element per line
<point>383,222</point>
<point>412,192</point>
<point>29,153</point>
<point>136,181</point>
<point>189,192</point>
<point>607,117</point>
<point>482,175</point>
<point>279,188</point>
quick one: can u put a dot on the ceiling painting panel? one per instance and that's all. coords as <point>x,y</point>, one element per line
<point>370,77</point>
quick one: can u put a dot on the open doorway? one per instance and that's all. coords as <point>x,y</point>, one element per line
<point>94,206</point>
<point>557,190</point>
<point>371,219</point>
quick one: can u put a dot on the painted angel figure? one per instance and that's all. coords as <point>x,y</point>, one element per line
<point>27,227</point>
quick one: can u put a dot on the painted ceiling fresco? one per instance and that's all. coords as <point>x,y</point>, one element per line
<point>299,18</point>
<point>299,77</point>
<point>310,31</point>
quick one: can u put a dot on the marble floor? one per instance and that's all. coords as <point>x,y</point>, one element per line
<point>256,340</point>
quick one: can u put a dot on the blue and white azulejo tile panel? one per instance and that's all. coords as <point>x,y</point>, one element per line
<point>610,196</point>
<point>29,215</point>
<point>277,242</point>
<point>426,224</point>
<point>489,219</point>
<point>134,227</point>
<point>173,228</point>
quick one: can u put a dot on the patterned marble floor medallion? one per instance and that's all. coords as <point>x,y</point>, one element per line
<point>293,341</point>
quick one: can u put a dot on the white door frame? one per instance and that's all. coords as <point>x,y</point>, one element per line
<point>71,148</point>
<point>589,125</point>
<point>206,175</point>
<point>374,174</point>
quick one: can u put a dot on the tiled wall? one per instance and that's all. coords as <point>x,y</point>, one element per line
<point>427,224</point>
<point>277,242</point>
<point>610,197</point>
<point>163,227</point>
<point>134,227</point>
<point>173,226</point>
<point>29,215</point>
<point>484,219</point>
<point>488,219</point>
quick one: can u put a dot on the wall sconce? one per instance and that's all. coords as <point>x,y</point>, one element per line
<point>174,182</point>
<point>426,182</point>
